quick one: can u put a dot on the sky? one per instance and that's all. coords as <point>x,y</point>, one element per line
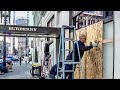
<point>20,13</point>
<point>17,15</point>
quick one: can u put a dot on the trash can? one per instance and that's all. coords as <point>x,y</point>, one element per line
<point>36,70</point>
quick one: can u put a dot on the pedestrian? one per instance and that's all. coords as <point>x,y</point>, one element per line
<point>29,59</point>
<point>82,48</point>
<point>20,60</point>
<point>1,70</point>
<point>26,59</point>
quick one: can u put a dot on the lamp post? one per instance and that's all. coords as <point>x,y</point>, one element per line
<point>5,14</point>
<point>27,47</point>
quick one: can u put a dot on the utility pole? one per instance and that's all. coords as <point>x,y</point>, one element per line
<point>27,48</point>
<point>13,37</point>
<point>4,44</point>
<point>5,14</point>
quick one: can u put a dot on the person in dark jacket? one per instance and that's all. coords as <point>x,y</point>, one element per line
<point>53,71</point>
<point>20,60</point>
<point>82,48</point>
<point>46,51</point>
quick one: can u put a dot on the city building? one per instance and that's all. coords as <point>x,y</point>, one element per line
<point>30,18</point>
<point>37,42</point>
<point>22,21</point>
<point>8,39</point>
<point>25,20</point>
<point>7,48</point>
<point>51,19</point>
<point>30,39</point>
<point>13,39</point>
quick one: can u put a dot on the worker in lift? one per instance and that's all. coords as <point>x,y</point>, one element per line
<point>82,48</point>
<point>46,51</point>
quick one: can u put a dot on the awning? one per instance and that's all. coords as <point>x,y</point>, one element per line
<point>31,31</point>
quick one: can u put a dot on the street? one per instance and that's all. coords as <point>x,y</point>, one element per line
<point>19,72</point>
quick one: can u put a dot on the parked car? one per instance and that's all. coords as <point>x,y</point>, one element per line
<point>15,58</point>
<point>1,62</point>
<point>8,59</point>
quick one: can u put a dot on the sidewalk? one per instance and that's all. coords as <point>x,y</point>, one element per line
<point>19,72</point>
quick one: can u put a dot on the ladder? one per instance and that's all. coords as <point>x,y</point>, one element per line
<point>61,56</point>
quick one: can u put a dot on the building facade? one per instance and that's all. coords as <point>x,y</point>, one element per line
<point>22,21</point>
<point>7,48</point>
<point>8,39</point>
<point>37,42</point>
<point>51,19</point>
<point>30,39</point>
<point>14,40</point>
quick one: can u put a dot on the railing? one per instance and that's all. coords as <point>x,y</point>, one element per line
<point>107,16</point>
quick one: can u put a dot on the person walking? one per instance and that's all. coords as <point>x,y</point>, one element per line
<point>26,59</point>
<point>20,60</point>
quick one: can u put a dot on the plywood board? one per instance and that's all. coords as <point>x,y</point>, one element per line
<point>92,59</point>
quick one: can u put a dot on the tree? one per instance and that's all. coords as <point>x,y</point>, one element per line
<point>36,55</point>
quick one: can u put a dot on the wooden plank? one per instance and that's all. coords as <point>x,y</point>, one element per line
<point>107,41</point>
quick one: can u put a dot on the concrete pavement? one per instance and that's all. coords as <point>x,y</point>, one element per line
<point>19,72</point>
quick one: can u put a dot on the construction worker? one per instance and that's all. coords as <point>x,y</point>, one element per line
<point>82,48</point>
<point>46,51</point>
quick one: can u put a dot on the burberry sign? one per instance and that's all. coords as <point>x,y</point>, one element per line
<point>29,29</point>
<point>22,29</point>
